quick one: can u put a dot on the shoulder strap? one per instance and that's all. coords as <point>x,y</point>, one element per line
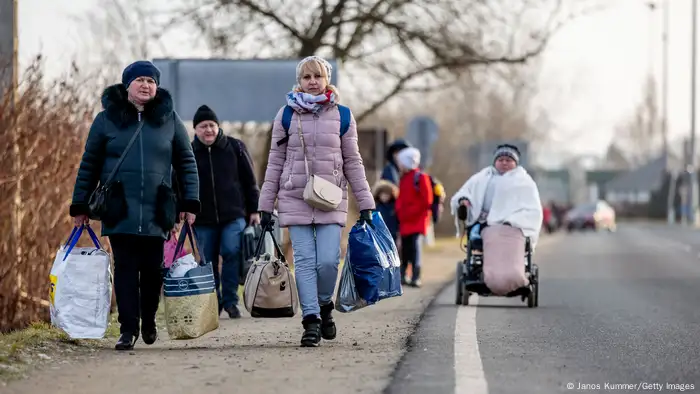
<point>126,150</point>
<point>237,145</point>
<point>286,121</point>
<point>287,118</point>
<point>344,119</point>
<point>303,146</point>
<point>416,180</point>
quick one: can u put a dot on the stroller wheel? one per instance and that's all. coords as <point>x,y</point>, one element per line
<point>465,296</point>
<point>458,300</point>
<point>460,288</point>
<point>532,297</point>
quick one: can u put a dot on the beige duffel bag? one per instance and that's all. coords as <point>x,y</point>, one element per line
<point>270,289</point>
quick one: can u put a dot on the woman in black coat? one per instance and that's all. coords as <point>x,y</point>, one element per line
<point>141,209</point>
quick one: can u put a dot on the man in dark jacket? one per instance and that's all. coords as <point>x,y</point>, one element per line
<point>229,195</point>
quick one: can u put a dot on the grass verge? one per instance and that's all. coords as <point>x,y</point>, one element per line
<point>36,344</point>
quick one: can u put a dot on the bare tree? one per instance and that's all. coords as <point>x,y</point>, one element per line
<point>408,45</point>
<point>615,158</point>
<point>120,31</point>
<point>640,136</point>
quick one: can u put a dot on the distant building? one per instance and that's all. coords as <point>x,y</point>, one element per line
<point>637,185</point>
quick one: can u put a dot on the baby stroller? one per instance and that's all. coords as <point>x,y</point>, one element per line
<point>470,277</point>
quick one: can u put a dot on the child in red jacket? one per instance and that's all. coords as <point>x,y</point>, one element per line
<point>413,208</point>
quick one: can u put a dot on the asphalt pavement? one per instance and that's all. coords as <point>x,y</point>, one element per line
<point>617,312</point>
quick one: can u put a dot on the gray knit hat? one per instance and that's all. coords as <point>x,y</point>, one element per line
<point>507,150</point>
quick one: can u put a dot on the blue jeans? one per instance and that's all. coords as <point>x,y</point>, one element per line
<point>316,250</point>
<point>224,240</point>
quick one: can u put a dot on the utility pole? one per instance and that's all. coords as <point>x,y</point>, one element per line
<point>664,74</point>
<point>672,171</point>
<point>693,189</point>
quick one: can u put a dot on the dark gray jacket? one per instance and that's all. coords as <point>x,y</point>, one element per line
<point>162,146</point>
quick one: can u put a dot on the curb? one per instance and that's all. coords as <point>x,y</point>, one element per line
<point>411,339</point>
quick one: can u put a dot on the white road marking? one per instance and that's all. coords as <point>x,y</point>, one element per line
<point>469,372</point>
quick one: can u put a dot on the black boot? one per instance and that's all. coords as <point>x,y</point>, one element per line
<point>415,281</point>
<point>149,333</point>
<point>126,341</point>
<point>327,323</point>
<point>233,312</point>
<point>312,331</point>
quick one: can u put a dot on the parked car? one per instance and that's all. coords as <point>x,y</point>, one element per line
<point>591,216</point>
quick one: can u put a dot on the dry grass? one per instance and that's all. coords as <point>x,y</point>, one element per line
<point>43,135</point>
<point>39,343</point>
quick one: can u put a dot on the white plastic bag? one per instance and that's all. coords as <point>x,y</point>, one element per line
<point>81,288</point>
<point>182,265</point>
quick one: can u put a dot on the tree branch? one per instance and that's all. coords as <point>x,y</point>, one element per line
<point>252,6</point>
<point>426,37</point>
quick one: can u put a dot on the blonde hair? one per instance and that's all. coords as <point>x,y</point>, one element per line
<point>314,66</point>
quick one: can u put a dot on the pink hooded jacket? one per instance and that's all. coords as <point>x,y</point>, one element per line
<point>331,157</point>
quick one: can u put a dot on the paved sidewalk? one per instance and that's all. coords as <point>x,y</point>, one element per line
<point>261,355</point>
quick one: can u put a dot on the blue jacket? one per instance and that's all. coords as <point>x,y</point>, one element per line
<point>388,212</point>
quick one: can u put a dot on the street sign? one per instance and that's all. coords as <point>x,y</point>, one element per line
<point>422,133</point>
<point>238,90</point>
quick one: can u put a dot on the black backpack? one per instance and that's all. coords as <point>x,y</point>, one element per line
<point>435,209</point>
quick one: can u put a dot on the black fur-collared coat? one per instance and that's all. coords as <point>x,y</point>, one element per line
<point>162,146</point>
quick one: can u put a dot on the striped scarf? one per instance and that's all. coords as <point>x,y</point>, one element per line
<point>304,102</point>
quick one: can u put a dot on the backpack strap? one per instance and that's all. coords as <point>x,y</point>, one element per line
<point>344,119</point>
<point>286,121</point>
<point>416,179</point>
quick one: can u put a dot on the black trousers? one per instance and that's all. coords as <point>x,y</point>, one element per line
<point>138,279</point>
<point>411,254</point>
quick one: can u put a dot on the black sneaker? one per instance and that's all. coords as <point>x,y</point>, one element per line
<point>233,312</point>
<point>312,331</point>
<point>126,341</point>
<point>149,334</point>
<point>416,283</point>
<point>328,331</point>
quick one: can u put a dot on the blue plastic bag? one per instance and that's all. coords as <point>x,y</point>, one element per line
<point>348,299</point>
<point>374,261</point>
<point>390,286</point>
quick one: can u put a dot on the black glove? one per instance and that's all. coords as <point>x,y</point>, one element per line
<point>462,212</point>
<point>266,220</point>
<point>366,217</point>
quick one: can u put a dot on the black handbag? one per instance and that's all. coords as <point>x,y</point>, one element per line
<point>249,241</point>
<point>108,202</point>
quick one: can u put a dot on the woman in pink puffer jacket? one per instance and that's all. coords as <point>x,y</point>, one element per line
<point>315,234</point>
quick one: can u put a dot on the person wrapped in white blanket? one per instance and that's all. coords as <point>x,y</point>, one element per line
<point>501,205</point>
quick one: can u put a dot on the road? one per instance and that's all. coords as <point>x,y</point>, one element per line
<point>615,308</point>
